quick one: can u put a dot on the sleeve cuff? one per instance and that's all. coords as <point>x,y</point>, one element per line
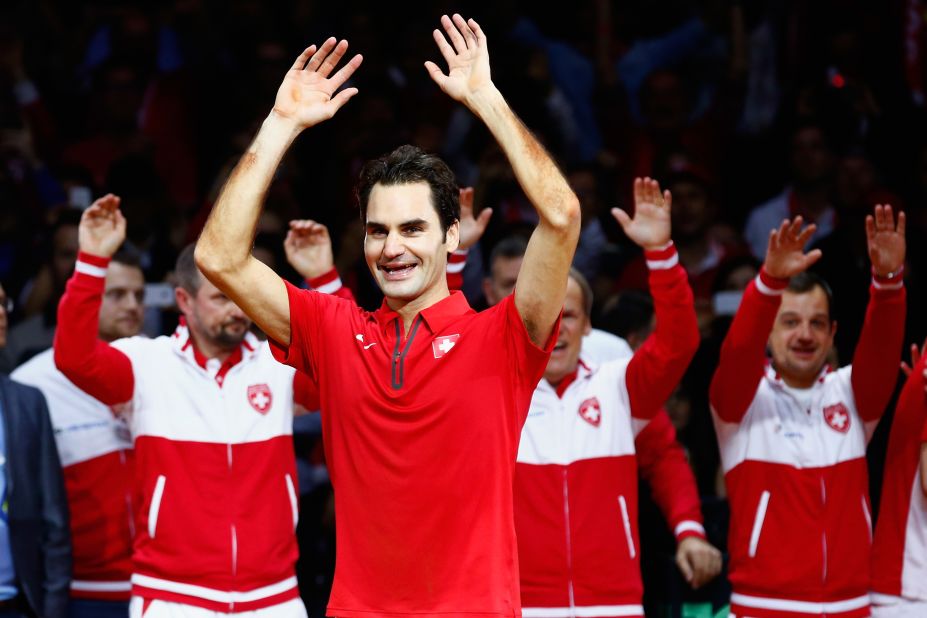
<point>769,285</point>
<point>91,265</point>
<point>328,283</point>
<point>687,528</point>
<point>457,261</point>
<point>893,281</point>
<point>662,259</point>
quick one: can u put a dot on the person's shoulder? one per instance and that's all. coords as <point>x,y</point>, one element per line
<point>24,392</point>
<point>38,365</point>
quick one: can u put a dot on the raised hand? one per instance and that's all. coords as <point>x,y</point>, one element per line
<point>916,356</point>
<point>785,253</point>
<point>102,227</point>
<point>471,228</point>
<point>467,58</point>
<point>307,95</point>
<point>886,240</point>
<point>308,248</point>
<point>650,226</point>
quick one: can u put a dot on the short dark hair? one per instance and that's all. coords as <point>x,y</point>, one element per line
<point>804,282</point>
<point>188,275</point>
<point>410,164</point>
<point>509,247</point>
<point>585,288</point>
<point>128,255</point>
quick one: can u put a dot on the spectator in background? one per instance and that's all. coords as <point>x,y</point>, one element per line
<point>899,575</point>
<point>35,547</point>
<point>95,449</point>
<point>811,161</point>
<point>36,331</point>
<point>793,433</point>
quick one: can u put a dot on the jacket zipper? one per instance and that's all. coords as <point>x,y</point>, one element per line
<point>626,522</point>
<point>569,537</point>
<point>399,355</point>
<point>758,520</point>
<point>824,533</point>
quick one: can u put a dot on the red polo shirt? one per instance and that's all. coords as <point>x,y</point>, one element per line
<point>421,433</point>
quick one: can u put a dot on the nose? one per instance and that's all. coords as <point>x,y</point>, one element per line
<point>804,332</point>
<point>393,246</point>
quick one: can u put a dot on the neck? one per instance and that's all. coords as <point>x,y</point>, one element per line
<point>407,310</point>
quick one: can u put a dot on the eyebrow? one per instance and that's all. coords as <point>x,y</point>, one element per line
<point>375,225</point>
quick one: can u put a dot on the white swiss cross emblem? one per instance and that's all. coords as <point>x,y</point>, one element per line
<point>442,345</point>
<point>837,417</point>
<point>591,411</point>
<point>260,397</point>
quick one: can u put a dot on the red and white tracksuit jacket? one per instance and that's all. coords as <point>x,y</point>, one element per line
<point>794,462</point>
<point>576,472</point>
<point>215,471</point>
<point>899,552</point>
<point>96,453</point>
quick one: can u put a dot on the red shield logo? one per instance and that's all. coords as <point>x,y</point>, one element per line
<point>591,411</point>
<point>442,345</point>
<point>260,397</point>
<point>838,417</point>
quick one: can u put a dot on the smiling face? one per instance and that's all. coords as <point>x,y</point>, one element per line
<point>405,247</point>
<point>802,337</point>
<point>573,326</point>
<point>121,311</point>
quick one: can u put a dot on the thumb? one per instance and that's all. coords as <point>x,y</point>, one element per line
<point>682,561</point>
<point>435,73</point>
<point>621,217</point>
<point>483,219</point>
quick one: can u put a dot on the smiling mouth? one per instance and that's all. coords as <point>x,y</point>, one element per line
<point>396,271</point>
<point>560,346</point>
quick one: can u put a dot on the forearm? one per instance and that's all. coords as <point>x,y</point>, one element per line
<point>536,172</point>
<point>878,352</point>
<point>656,368</point>
<point>743,353</point>
<point>95,367</point>
<point>225,243</point>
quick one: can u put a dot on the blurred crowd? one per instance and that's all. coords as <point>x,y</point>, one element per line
<point>748,112</point>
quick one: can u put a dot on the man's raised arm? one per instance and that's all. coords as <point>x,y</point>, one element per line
<point>542,281</point>
<point>223,253</point>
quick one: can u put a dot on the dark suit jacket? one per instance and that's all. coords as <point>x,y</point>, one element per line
<point>38,509</point>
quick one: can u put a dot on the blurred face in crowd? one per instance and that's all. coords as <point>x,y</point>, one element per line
<point>691,210</point>
<point>121,311</point>
<point>502,279</point>
<point>4,318</point>
<point>802,337</point>
<point>812,161</point>
<point>64,252</point>
<point>573,326</point>
<point>212,316</point>
<point>664,101</point>
<point>855,182</point>
<point>405,247</point>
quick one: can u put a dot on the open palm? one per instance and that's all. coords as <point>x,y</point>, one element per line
<point>886,241</point>
<point>467,57</point>
<point>307,95</point>
<point>308,248</point>
<point>785,254</point>
<point>650,226</point>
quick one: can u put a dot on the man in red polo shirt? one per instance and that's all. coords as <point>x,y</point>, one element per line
<point>422,466</point>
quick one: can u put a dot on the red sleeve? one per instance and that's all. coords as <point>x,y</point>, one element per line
<point>656,368</point>
<point>103,372</point>
<point>662,463</point>
<point>306,392</point>
<point>743,353</point>
<point>330,283</point>
<point>924,432</point>
<point>455,267</point>
<point>878,351</point>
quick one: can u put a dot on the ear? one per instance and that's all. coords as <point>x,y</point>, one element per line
<point>452,237</point>
<point>833,328</point>
<point>184,300</point>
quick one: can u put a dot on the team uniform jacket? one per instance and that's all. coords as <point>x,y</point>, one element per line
<point>794,462</point>
<point>215,472</point>
<point>576,476</point>
<point>899,553</point>
<point>96,454</point>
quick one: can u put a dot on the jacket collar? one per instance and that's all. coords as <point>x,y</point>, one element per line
<point>773,376</point>
<point>436,316</point>
<point>185,346</point>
